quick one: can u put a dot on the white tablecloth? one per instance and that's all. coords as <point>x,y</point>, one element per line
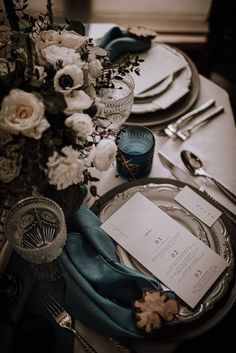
<point>215,143</point>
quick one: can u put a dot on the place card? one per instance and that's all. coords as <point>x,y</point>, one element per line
<point>198,206</point>
<point>173,254</point>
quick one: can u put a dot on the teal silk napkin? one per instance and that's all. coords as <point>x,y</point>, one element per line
<point>99,290</point>
<point>119,43</point>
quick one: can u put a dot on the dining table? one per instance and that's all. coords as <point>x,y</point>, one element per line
<point>215,143</point>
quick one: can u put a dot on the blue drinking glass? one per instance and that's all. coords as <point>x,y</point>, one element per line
<point>135,152</point>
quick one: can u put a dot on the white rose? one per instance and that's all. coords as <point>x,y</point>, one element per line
<point>68,78</point>
<point>53,53</point>
<point>81,124</point>
<point>76,102</point>
<point>95,68</point>
<point>23,112</point>
<point>65,170</point>
<point>8,170</point>
<point>105,154</point>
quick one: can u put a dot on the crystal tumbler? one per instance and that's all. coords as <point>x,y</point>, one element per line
<point>36,229</point>
<point>135,152</point>
<point>118,102</point>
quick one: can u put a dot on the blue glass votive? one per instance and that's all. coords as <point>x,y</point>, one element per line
<point>135,152</point>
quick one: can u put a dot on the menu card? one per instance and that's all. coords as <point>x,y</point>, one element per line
<point>167,249</point>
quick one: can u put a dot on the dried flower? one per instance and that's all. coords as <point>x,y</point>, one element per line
<point>152,307</point>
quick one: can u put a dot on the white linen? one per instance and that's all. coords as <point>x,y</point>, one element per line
<point>215,143</point>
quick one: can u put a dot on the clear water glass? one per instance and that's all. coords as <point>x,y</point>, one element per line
<point>36,229</point>
<point>135,152</point>
<point>118,102</point>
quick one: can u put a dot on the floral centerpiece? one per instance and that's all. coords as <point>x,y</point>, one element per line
<point>50,132</point>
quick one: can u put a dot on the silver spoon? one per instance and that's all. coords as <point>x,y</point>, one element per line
<point>196,167</point>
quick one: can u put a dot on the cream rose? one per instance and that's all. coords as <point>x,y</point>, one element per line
<point>8,170</point>
<point>23,112</point>
<point>65,170</point>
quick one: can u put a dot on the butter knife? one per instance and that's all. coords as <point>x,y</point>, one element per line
<point>171,129</point>
<point>180,174</point>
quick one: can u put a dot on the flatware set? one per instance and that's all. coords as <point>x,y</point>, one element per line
<point>172,129</point>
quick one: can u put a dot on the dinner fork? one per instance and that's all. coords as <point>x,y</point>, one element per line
<point>171,129</point>
<point>61,316</point>
<point>185,134</point>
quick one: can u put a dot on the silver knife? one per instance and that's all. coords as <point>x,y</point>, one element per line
<point>188,179</point>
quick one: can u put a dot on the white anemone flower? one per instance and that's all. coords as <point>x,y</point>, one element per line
<point>104,154</point>
<point>77,101</point>
<point>69,78</point>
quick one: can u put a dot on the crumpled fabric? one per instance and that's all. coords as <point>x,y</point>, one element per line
<point>99,290</point>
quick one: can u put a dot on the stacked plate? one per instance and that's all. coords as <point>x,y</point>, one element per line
<point>167,87</point>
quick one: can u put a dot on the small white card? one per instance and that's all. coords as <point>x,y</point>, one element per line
<point>198,206</point>
<point>173,254</point>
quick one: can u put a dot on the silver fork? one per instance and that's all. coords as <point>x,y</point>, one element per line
<point>64,320</point>
<point>185,134</point>
<point>171,129</point>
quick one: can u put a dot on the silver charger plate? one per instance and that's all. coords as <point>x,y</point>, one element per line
<point>216,237</point>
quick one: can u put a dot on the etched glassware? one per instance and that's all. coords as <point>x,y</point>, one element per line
<point>118,101</point>
<point>36,230</point>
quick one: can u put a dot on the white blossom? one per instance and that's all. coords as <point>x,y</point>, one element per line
<point>77,101</point>
<point>104,154</point>
<point>23,112</point>
<point>53,53</point>
<point>65,169</point>
<point>68,79</point>
<point>81,124</point>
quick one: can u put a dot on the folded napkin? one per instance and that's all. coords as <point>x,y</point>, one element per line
<point>99,290</point>
<point>119,43</point>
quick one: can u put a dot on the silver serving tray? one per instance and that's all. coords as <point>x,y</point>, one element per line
<point>216,237</point>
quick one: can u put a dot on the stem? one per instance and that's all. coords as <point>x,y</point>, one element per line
<point>49,10</point>
<point>11,15</point>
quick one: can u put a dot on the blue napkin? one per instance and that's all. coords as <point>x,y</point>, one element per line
<point>119,43</point>
<point>99,290</point>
